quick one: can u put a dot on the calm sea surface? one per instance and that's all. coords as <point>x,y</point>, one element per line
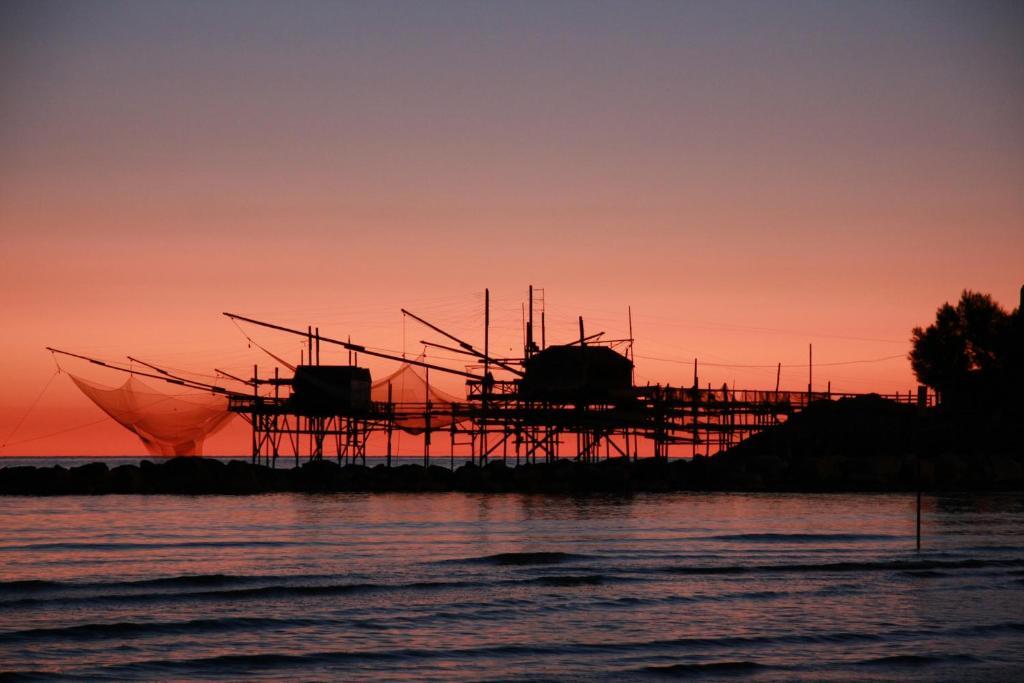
<point>512,587</point>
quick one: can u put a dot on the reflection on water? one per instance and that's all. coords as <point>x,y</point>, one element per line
<point>459,586</point>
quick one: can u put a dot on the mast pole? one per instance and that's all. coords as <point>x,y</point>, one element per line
<point>810,370</point>
<point>486,382</point>
<point>529,328</point>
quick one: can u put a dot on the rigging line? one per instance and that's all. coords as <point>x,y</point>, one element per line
<point>30,409</point>
<point>419,357</point>
<point>183,371</point>
<point>773,365</point>
<point>186,395</point>
<point>676,322</point>
<point>58,432</point>
<point>106,418</point>
<point>258,346</point>
<point>191,384</point>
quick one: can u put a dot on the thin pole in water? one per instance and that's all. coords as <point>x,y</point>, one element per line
<point>426,432</point>
<point>486,383</point>
<point>917,462</point>
<point>919,518</point>
<point>391,420</point>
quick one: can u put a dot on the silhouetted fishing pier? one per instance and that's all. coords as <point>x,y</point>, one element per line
<point>575,400</point>
<point>509,427</point>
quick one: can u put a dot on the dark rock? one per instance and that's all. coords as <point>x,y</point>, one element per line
<point>126,479</point>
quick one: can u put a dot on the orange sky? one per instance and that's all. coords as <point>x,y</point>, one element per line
<point>748,177</point>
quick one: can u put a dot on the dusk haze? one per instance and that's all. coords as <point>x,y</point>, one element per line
<point>462,340</point>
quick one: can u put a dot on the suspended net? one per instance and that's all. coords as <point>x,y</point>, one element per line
<point>410,391</point>
<point>168,424</point>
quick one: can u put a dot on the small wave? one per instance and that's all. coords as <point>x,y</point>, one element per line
<point>522,559</point>
<point>834,589</point>
<point>991,548</point>
<point>124,629</point>
<point>27,676</point>
<point>586,580</point>
<point>327,589</point>
<point>199,580</point>
<point>924,574</point>
<point>27,586</point>
<point>917,660</point>
<point>237,663</point>
<point>707,668</point>
<point>221,589</point>
<point>270,661</point>
<point>184,580</point>
<point>220,663</point>
<point>727,569</point>
<point>75,546</point>
<point>256,592</point>
<point>885,565</point>
<point>1011,626</point>
<point>240,663</point>
<point>800,538</point>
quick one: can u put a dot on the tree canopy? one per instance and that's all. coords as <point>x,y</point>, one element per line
<point>971,351</point>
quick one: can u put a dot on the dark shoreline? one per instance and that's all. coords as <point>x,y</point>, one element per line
<point>864,444</point>
<point>197,476</point>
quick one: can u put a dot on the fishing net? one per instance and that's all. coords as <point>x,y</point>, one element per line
<point>409,389</point>
<point>178,424</point>
<point>167,424</point>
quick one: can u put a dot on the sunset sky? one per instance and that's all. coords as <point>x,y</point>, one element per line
<point>749,177</point>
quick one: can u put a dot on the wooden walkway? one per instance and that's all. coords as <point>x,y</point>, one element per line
<point>659,421</point>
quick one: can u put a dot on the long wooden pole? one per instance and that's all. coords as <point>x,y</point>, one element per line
<point>447,348</point>
<point>589,337</point>
<point>190,384</point>
<point>358,348</point>
<point>166,373</point>
<point>230,376</point>
<point>465,345</point>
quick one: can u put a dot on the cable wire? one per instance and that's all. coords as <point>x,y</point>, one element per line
<point>46,386</point>
<point>773,365</point>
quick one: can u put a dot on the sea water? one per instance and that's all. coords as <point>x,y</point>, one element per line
<point>512,587</point>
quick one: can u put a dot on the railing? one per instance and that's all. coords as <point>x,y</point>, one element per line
<point>795,399</point>
<point>501,391</point>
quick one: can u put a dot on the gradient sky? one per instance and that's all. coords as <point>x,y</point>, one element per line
<point>748,176</point>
